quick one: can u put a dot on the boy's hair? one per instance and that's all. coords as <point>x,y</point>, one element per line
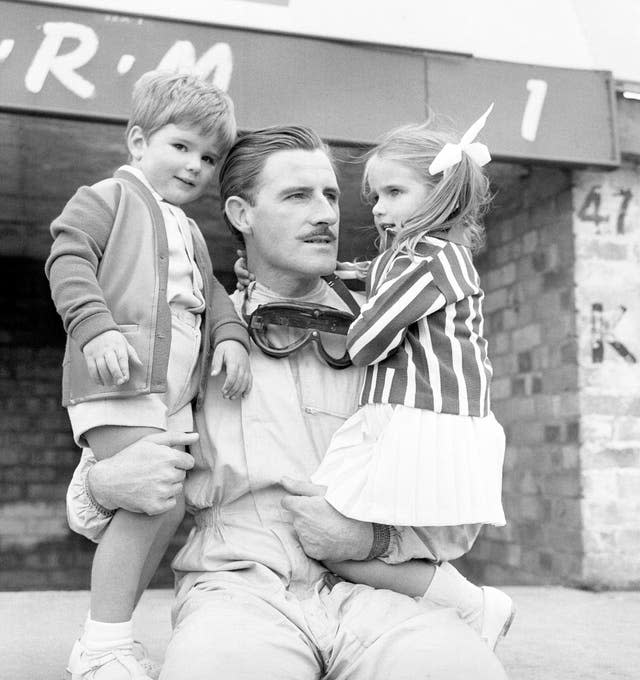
<point>164,98</point>
<point>460,194</point>
<point>241,169</point>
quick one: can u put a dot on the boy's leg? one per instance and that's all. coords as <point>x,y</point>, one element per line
<point>130,540</point>
<point>124,562</point>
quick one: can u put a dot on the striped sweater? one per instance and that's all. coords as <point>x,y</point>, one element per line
<point>420,332</point>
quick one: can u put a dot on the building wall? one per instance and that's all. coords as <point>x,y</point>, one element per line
<point>527,269</point>
<point>572,470</point>
<point>607,236</point>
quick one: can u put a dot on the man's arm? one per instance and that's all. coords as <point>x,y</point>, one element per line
<point>326,534</point>
<point>145,477</point>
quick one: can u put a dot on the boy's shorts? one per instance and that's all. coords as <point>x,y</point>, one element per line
<point>170,410</point>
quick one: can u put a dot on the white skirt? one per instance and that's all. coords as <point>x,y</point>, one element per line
<point>398,465</point>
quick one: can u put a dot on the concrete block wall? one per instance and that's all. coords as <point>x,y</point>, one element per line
<point>527,273</point>
<point>606,226</point>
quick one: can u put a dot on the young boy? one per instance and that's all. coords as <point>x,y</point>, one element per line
<point>145,318</point>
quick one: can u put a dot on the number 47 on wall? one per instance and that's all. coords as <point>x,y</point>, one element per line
<point>590,209</point>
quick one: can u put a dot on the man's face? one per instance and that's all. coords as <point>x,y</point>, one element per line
<point>294,218</point>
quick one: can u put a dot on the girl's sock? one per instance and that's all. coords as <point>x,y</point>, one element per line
<point>99,636</point>
<point>449,588</point>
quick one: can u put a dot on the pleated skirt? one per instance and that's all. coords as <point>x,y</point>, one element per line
<point>398,465</point>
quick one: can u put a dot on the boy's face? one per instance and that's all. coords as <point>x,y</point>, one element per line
<point>179,162</point>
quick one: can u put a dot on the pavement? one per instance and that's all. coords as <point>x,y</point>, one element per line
<point>558,633</point>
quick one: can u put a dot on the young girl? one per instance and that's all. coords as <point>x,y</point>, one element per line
<point>423,454</point>
<point>424,449</point>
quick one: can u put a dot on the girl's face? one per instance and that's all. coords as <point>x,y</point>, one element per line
<point>397,192</point>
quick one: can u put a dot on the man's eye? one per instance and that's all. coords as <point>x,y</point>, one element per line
<point>394,192</point>
<point>180,147</point>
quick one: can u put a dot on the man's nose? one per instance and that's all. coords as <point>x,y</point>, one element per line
<point>325,211</point>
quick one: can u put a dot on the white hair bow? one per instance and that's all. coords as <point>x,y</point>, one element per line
<point>451,154</point>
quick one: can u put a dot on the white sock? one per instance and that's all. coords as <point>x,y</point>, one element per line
<point>449,588</point>
<point>99,635</point>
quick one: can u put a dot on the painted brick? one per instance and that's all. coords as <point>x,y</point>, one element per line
<point>628,483</point>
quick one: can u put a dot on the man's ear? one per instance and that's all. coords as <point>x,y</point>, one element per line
<point>136,142</point>
<point>238,211</point>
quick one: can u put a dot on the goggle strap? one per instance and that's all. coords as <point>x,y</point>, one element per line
<point>337,284</point>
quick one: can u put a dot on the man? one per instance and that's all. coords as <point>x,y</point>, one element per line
<point>251,600</point>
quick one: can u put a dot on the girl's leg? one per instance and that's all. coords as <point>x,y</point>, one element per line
<point>487,610</point>
<point>409,578</point>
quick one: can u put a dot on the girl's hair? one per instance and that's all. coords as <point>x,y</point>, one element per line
<point>164,98</point>
<point>460,194</point>
<point>240,172</point>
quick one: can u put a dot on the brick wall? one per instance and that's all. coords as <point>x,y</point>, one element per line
<point>527,273</point>
<point>607,237</point>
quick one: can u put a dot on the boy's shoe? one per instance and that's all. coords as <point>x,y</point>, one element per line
<point>123,663</point>
<point>498,613</point>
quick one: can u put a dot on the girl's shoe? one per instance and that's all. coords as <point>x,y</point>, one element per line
<point>498,613</point>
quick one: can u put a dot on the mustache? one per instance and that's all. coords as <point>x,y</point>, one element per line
<point>321,231</point>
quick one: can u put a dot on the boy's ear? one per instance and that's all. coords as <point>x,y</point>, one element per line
<point>136,142</point>
<point>238,211</point>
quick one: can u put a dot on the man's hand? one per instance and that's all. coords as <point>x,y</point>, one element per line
<point>145,477</point>
<point>107,356</point>
<point>324,533</point>
<point>232,355</point>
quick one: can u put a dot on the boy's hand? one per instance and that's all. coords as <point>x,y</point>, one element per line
<point>231,355</point>
<point>352,270</point>
<point>107,356</point>
<point>240,270</point>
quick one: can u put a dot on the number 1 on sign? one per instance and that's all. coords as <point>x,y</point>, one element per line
<point>537,93</point>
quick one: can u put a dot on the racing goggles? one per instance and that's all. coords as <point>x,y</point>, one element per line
<point>279,329</point>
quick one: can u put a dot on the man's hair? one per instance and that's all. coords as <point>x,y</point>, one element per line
<point>241,169</point>
<point>166,98</point>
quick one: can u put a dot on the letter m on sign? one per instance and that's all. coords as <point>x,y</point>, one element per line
<point>215,64</point>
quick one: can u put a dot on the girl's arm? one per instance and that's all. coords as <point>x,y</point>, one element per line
<point>409,578</point>
<point>407,293</point>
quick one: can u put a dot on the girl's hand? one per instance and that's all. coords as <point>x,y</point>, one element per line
<point>234,358</point>
<point>107,356</point>
<point>243,275</point>
<point>352,270</point>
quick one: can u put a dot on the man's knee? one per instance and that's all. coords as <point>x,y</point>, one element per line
<point>220,636</point>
